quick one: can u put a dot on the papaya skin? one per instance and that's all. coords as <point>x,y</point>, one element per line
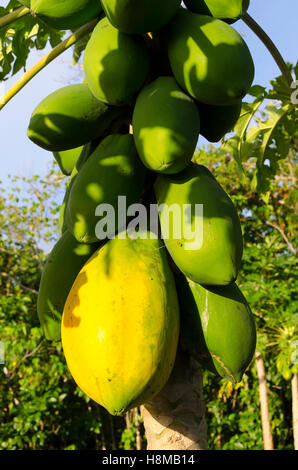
<point>116,65</point>
<point>140,17</point>
<point>217,121</point>
<point>66,14</point>
<point>61,268</point>
<point>199,49</point>
<point>217,327</point>
<point>166,126</point>
<point>69,118</point>
<point>209,256</point>
<point>222,9</point>
<point>120,324</point>
<point>68,159</point>
<point>114,169</point>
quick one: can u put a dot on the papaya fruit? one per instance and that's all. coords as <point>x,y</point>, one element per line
<point>116,65</point>
<point>216,121</point>
<point>206,245</point>
<point>199,49</point>
<point>114,169</point>
<point>66,14</point>
<point>120,323</point>
<point>62,266</point>
<point>166,126</point>
<point>217,327</point>
<point>140,17</point>
<point>222,9</point>
<point>67,159</point>
<point>70,117</point>
<point>85,154</point>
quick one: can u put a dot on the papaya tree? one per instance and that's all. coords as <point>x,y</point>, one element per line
<point>179,54</point>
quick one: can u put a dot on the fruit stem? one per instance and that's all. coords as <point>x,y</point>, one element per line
<point>269,44</point>
<point>45,60</point>
<point>14,16</point>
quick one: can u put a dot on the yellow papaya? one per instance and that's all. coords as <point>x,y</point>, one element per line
<point>139,17</point>
<point>203,235</point>
<point>209,59</point>
<point>61,268</point>
<point>222,9</point>
<point>217,327</point>
<point>116,65</point>
<point>217,121</point>
<point>66,14</point>
<point>70,117</point>
<point>166,126</point>
<point>114,169</point>
<point>120,323</point>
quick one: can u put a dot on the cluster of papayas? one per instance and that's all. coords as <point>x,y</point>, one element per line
<point>156,78</point>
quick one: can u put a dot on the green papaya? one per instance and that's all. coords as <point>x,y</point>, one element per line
<point>70,117</point>
<point>116,65</point>
<point>140,17</point>
<point>216,121</point>
<point>114,169</point>
<point>209,59</point>
<point>62,267</point>
<point>85,154</point>
<point>67,159</point>
<point>166,126</point>
<point>217,327</point>
<point>222,9</point>
<point>203,236</point>
<point>66,14</point>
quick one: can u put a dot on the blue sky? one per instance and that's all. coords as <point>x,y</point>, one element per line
<point>21,157</point>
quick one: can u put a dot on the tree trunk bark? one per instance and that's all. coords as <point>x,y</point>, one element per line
<point>175,418</point>
<point>263,392</point>
<point>295,409</point>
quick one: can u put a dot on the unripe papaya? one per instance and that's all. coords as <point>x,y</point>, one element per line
<point>209,59</point>
<point>204,241</point>
<point>66,14</point>
<point>116,65</point>
<point>166,126</point>
<point>217,327</point>
<point>120,324</point>
<point>140,17</point>
<point>216,121</point>
<point>70,117</point>
<point>61,268</point>
<point>68,159</point>
<point>222,9</point>
<point>114,169</point>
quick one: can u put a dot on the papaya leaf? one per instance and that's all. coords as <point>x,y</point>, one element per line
<point>19,38</point>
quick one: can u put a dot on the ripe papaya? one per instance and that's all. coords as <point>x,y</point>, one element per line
<point>166,126</point>
<point>216,121</point>
<point>222,9</point>
<point>116,65</point>
<point>204,241</point>
<point>61,268</point>
<point>66,14</point>
<point>199,49</point>
<point>217,327</point>
<point>139,17</point>
<point>68,159</point>
<point>120,323</point>
<point>114,169</point>
<point>70,117</point>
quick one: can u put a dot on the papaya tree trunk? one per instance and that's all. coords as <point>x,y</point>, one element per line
<point>263,392</point>
<point>175,418</point>
<point>295,409</point>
